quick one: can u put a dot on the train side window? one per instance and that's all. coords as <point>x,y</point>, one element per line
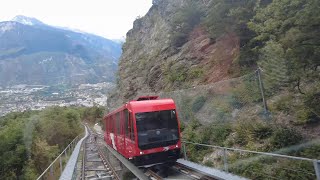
<point>121,122</point>
<point>107,124</point>
<point>118,123</point>
<point>126,123</point>
<point>131,129</point>
<point>112,124</point>
<point>109,128</point>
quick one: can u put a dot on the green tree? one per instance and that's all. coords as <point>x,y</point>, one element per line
<point>43,154</point>
<point>293,26</point>
<point>275,67</point>
<point>31,140</point>
<point>13,153</point>
<point>232,17</point>
<point>184,21</point>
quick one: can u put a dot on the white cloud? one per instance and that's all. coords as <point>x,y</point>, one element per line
<point>108,18</point>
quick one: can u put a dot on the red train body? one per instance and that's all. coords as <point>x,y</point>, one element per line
<point>145,131</point>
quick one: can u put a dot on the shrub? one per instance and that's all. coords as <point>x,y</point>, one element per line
<point>304,116</point>
<point>283,137</point>
<point>185,109</point>
<point>262,131</point>
<point>251,130</point>
<point>182,126</point>
<point>234,102</point>
<point>311,152</point>
<point>196,73</point>
<point>283,104</point>
<point>248,91</point>
<point>196,153</point>
<point>219,133</point>
<point>189,132</point>
<point>264,168</point>
<point>198,103</point>
<point>178,74</point>
<point>209,164</point>
<point>312,101</point>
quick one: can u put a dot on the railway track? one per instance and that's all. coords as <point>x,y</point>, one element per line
<point>190,172</point>
<point>94,163</point>
<point>177,171</point>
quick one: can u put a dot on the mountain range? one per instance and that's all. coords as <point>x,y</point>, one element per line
<point>32,52</point>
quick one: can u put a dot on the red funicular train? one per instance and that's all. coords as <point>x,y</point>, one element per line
<point>146,131</point>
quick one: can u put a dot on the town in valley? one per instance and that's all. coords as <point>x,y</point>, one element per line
<point>23,97</point>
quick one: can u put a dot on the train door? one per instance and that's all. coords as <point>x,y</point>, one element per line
<point>110,129</point>
<point>118,131</point>
<point>113,132</point>
<point>106,128</point>
<point>130,139</point>
<point>125,126</point>
<point>121,147</point>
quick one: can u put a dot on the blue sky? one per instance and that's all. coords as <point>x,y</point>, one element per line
<point>107,18</point>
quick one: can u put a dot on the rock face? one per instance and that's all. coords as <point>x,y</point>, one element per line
<point>32,52</point>
<point>151,62</point>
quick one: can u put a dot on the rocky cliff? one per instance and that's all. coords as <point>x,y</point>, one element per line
<point>170,48</point>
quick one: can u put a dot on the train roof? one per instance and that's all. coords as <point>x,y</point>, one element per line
<point>155,102</point>
<point>147,105</point>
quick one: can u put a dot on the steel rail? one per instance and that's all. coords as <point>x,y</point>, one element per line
<point>153,175</point>
<point>105,161</point>
<point>107,165</point>
<point>128,164</point>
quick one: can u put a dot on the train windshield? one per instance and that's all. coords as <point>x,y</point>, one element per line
<point>155,129</point>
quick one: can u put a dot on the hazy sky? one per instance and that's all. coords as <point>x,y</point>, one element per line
<point>107,18</point>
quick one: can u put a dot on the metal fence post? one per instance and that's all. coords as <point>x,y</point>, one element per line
<point>316,165</point>
<point>66,153</point>
<point>60,164</point>
<point>262,91</point>
<point>225,160</point>
<point>51,171</point>
<point>184,151</point>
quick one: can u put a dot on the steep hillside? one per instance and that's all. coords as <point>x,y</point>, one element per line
<point>185,43</point>
<point>32,52</point>
<point>243,74</point>
<point>157,56</point>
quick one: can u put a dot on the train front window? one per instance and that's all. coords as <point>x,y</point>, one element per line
<point>157,128</point>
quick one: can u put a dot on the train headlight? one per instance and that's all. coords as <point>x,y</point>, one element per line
<point>176,145</point>
<point>141,152</point>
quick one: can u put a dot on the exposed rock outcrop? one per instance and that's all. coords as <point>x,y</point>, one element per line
<point>151,62</point>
